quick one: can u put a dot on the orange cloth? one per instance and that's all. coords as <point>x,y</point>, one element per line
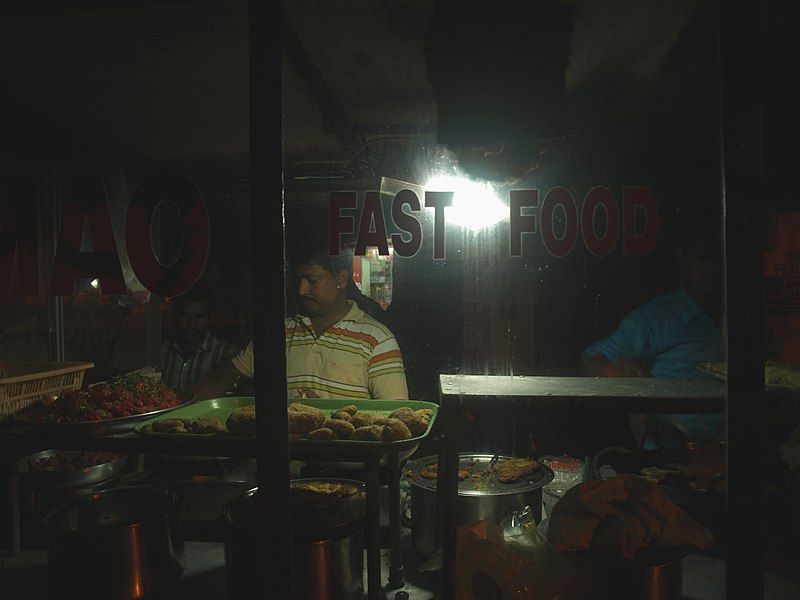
<point>622,515</point>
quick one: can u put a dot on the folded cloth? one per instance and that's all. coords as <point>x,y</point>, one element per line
<point>621,516</point>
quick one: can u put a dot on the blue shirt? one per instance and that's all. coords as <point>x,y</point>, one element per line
<point>672,334</point>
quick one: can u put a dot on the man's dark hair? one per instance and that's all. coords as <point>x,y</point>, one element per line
<point>200,294</point>
<point>313,253</point>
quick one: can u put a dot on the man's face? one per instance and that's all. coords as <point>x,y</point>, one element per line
<point>191,322</point>
<point>316,289</point>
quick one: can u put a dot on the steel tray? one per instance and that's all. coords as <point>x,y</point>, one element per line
<point>117,425</point>
<point>221,408</point>
<point>63,478</point>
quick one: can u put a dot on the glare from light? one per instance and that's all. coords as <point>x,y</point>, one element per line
<point>95,283</point>
<point>475,204</point>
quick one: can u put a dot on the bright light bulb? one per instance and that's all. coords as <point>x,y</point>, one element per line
<point>95,283</point>
<point>475,204</point>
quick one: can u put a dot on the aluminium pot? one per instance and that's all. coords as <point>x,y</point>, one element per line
<point>480,497</point>
<point>327,548</point>
<point>117,544</point>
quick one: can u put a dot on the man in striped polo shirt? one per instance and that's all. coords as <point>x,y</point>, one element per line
<point>192,351</point>
<point>333,348</point>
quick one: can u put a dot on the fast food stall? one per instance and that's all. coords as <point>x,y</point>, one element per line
<point>507,185</point>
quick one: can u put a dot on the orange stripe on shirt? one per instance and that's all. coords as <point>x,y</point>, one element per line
<point>385,356</point>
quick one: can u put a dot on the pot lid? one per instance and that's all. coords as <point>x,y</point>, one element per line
<point>321,507</point>
<point>478,476</point>
<point>115,508</point>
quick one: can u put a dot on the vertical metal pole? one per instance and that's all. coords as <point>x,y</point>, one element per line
<point>740,38</point>
<point>374,591</point>
<point>396,571</point>
<point>49,210</point>
<point>267,263</point>
<point>447,490</point>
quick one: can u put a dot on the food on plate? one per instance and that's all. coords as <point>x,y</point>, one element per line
<point>321,494</point>
<point>242,421</point>
<point>350,409</point>
<point>303,419</point>
<point>124,396</point>
<point>415,422</point>
<point>431,471</point>
<point>206,425</point>
<point>394,430</point>
<point>70,460</point>
<point>370,433</point>
<point>655,474</point>
<point>362,419</point>
<point>342,415</point>
<point>425,413</point>
<point>323,433</point>
<point>201,425</point>
<point>774,373</point>
<point>168,426</point>
<point>514,469</point>
<point>342,428</point>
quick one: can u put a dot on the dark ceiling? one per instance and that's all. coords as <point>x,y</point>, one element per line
<point>168,81</point>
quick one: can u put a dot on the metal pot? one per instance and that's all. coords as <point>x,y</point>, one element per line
<point>479,497</point>
<point>327,548</point>
<point>118,544</point>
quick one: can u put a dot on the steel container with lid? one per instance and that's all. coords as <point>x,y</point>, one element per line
<point>480,496</point>
<point>117,544</point>
<point>327,545</point>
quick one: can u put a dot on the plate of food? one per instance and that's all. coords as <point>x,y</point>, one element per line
<point>779,378</point>
<point>115,405</point>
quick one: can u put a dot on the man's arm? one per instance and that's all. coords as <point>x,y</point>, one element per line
<point>221,379</point>
<point>623,352</point>
<point>600,366</point>
<point>217,382</point>
<point>386,372</point>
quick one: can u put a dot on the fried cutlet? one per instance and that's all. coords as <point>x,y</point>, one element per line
<point>370,433</point>
<point>416,423</point>
<point>170,426</point>
<point>206,425</point>
<point>514,469</point>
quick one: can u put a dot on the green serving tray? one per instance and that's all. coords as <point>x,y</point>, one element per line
<point>221,408</point>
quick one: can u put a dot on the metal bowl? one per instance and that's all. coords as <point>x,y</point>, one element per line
<point>121,543</point>
<point>70,478</point>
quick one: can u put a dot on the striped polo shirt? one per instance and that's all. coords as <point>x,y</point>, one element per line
<point>182,372</point>
<point>356,358</point>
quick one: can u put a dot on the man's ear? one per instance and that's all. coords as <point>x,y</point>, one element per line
<point>341,278</point>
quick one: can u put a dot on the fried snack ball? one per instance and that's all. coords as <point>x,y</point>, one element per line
<point>415,423</point>
<point>323,433</point>
<point>394,413</point>
<point>242,421</point>
<point>342,428</point>
<point>350,409</point>
<point>370,433</point>
<point>425,413</point>
<point>341,415</point>
<point>303,422</point>
<point>363,419</point>
<point>303,419</point>
<point>394,430</point>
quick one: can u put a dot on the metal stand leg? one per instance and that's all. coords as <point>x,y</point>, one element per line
<point>447,486</point>
<point>396,571</point>
<point>374,591</point>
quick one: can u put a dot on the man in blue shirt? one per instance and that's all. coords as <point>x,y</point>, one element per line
<point>669,337</point>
